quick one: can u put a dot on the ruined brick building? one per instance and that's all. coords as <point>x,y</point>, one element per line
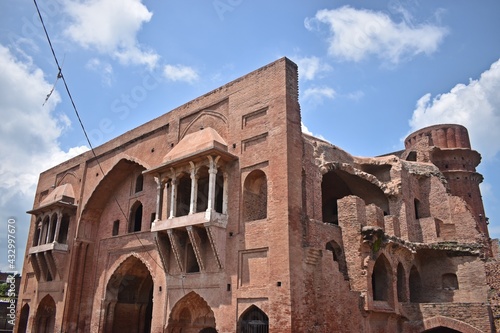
<point>222,216</point>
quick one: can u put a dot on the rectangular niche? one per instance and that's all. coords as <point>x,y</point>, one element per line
<point>254,142</point>
<point>254,118</point>
<point>253,268</point>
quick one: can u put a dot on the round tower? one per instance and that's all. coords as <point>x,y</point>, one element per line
<point>448,147</point>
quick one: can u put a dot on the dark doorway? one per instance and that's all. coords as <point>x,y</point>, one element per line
<point>129,298</point>
<point>254,320</point>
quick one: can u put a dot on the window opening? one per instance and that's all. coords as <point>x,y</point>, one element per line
<point>450,281</point>
<point>116,227</point>
<point>202,194</point>
<point>136,219</point>
<point>255,196</point>
<point>183,195</point>
<point>401,284</point>
<point>219,191</point>
<point>36,236</point>
<point>63,230</point>
<point>416,205</point>
<point>415,286</point>
<point>381,282</point>
<point>139,183</point>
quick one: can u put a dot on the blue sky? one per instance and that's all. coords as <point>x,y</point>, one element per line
<point>371,72</point>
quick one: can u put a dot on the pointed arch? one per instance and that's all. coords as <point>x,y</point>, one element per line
<point>449,323</point>
<point>253,320</point>
<point>189,313</point>
<point>139,183</point>
<point>23,319</point>
<point>255,196</point>
<point>116,174</point>
<point>45,315</point>
<point>45,230</point>
<point>415,284</point>
<point>338,257</point>
<point>382,279</point>
<point>401,283</point>
<point>129,298</point>
<point>219,118</point>
<point>38,230</point>
<point>69,173</point>
<point>136,217</point>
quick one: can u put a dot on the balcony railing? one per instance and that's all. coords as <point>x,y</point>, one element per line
<point>198,219</point>
<point>47,247</point>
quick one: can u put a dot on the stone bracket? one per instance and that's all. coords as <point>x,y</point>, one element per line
<point>195,242</point>
<point>209,230</point>
<point>174,242</point>
<point>49,259</point>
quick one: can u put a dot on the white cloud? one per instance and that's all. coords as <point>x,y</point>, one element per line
<point>104,69</point>
<point>358,33</point>
<point>475,105</point>
<point>316,95</point>
<point>111,27</point>
<point>356,95</point>
<point>29,134</point>
<point>306,130</point>
<point>309,67</point>
<point>180,73</point>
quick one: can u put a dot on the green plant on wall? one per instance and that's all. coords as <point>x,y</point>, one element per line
<point>376,245</point>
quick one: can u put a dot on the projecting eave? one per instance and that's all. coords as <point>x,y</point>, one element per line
<point>215,150</point>
<point>51,206</point>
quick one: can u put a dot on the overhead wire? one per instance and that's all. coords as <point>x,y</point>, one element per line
<point>60,75</point>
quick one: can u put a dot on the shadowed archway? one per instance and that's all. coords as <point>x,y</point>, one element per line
<point>129,298</point>
<point>253,320</point>
<point>45,316</point>
<point>191,314</point>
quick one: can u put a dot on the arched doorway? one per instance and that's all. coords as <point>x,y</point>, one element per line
<point>191,314</point>
<point>23,320</point>
<point>381,280</point>
<point>129,298</point>
<point>253,320</point>
<point>45,315</point>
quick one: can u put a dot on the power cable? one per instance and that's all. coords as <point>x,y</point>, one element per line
<point>60,75</point>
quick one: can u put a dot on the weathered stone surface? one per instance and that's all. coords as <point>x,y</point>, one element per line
<point>221,216</point>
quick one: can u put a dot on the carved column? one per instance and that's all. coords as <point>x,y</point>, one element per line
<point>173,197</point>
<point>225,194</point>
<point>160,185</point>
<point>212,174</point>
<point>49,230</point>
<point>194,189</point>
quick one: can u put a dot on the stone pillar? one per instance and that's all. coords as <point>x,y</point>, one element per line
<point>212,173</point>
<point>225,194</point>
<point>194,189</point>
<point>160,185</point>
<point>40,232</point>
<point>173,197</point>
<point>49,230</point>
<point>58,226</point>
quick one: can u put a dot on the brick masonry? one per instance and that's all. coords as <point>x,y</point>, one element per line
<point>258,226</point>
